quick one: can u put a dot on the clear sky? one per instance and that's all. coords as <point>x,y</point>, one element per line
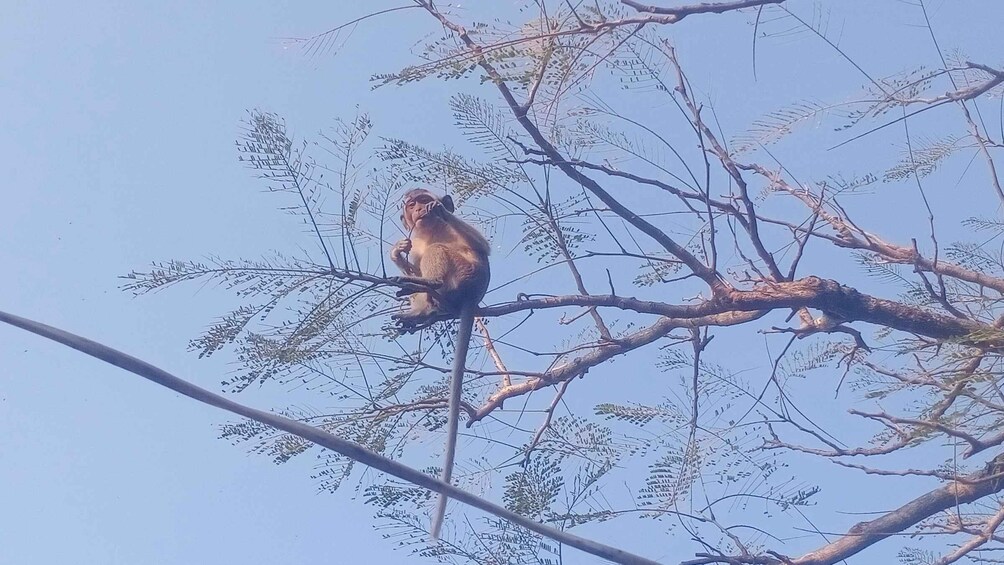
<point>117,142</point>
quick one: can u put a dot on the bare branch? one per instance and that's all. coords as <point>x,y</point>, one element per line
<point>865,534</point>
<point>330,441</point>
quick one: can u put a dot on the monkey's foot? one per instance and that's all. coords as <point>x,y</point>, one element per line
<point>411,285</point>
<point>408,323</point>
<point>416,285</point>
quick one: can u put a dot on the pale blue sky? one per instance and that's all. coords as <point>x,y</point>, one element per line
<point>116,139</point>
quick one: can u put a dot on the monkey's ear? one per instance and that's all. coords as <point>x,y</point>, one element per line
<point>447,203</point>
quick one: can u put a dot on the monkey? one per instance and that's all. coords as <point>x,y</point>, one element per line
<point>450,256</point>
<point>444,252</point>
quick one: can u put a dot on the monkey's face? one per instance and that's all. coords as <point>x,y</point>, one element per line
<point>420,204</point>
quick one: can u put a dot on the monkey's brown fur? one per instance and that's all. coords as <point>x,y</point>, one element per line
<point>451,256</point>
<point>442,250</point>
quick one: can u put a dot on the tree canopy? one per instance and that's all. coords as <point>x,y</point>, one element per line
<point>757,339</point>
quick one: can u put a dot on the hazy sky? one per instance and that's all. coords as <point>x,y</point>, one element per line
<point>117,143</point>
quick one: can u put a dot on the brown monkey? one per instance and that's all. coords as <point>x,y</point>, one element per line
<point>450,256</point>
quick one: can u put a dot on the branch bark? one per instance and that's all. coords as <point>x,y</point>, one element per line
<point>862,535</point>
<point>813,292</point>
<point>347,448</point>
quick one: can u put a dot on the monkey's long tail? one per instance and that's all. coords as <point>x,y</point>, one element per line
<point>453,417</point>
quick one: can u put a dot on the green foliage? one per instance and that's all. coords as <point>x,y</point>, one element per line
<point>575,436</point>
<point>670,478</point>
<point>446,170</point>
<point>923,159</point>
<point>656,272</point>
<point>799,362</point>
<point>975,256</point>
<point>841,185</point>
<point>984,224</point>
<point>640,415</point>
<point>892,273</point>
<point>487,127</point>
<point>916,556</point>
<point>549,234</point>
<point>891,93</point>
<point>531,491</point>
<point>782,122</point>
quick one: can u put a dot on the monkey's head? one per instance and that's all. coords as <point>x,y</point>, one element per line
<point>421,204</point>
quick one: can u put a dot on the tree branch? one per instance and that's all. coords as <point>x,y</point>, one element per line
<point>347,448</point>
<point>864,534</point>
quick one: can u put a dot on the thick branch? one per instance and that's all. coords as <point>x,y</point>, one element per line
<point>580,365</point>
<point>813,292</point>
<point>864,534</point>
<point>849,236</point>
<point>681,12</point>
<point>347,448</point>
<point>968,93</point>
<point>849,304</point>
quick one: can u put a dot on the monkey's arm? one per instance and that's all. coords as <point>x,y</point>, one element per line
<point>471,235</point>
<point>397,256</point>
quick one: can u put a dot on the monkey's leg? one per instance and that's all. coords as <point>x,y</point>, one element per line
<point>415,284</point>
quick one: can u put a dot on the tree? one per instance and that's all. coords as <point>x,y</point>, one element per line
<point>663,240</point>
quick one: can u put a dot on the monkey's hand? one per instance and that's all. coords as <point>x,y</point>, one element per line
<point>397,255</point>
<point>435,207</point>
<point>402,247</point>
